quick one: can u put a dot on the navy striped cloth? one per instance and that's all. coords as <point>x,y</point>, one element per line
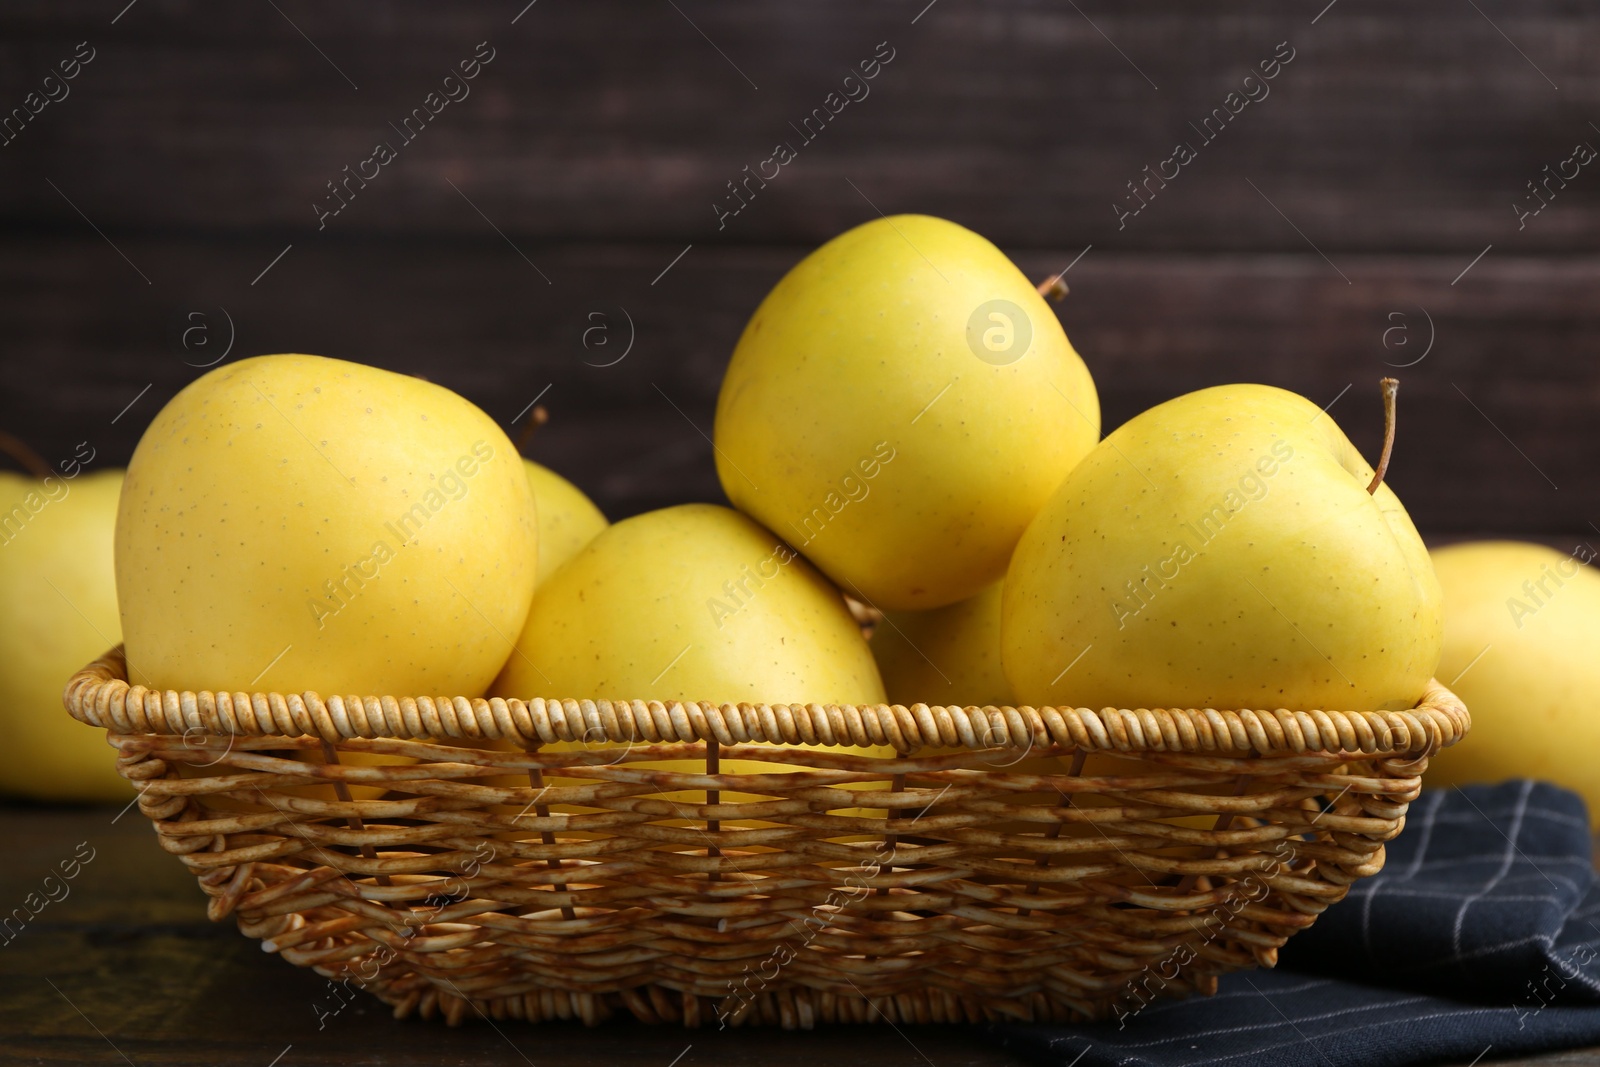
<point>1480,939</point>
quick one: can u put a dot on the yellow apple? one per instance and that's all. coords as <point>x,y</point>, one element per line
<point>1221,550</point>
<point>58,612</point>
<point>694,602</point>
<point>1522,650</point>
<point>568,520</point>
<point>948,655</point>
<point>899,407</point>
<point>295,523</point>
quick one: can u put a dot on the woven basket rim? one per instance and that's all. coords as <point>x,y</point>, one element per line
<point>100,695</point>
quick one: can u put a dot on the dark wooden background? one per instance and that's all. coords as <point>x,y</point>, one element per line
<point>155,197</point>
<point>1387,157</point>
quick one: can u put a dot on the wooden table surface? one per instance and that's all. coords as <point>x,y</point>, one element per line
<point>126,969</point>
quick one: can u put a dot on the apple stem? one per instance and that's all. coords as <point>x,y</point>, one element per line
<point>26,457</point>
<point>1053,288</point>
<point>537,419</point>
<point>1390,387</point>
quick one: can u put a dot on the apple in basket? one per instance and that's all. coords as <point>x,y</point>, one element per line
<point>299,523</point>
<point>694,602</point>
<point>899,407</point>
<point>1226,549</point>
<point>293,523</point>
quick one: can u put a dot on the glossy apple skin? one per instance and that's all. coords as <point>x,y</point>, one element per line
<point>1522,651</point>
<point>1221,551</point>
<point>568,519</point>
<point>248,539</point>
<point>645,612</point>
<point>694,602</point>
<point>58,612</point>
<point>858,421</point>
<point>946,656</point>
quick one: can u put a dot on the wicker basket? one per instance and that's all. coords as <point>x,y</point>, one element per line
<point>1001,877</point>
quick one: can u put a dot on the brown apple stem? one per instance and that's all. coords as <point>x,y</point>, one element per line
<point>535,420</point>
<point>26,457</point>
<point>1390,387</point>
<point>1053,288</point>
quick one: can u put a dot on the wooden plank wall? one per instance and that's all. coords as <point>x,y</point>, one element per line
<point>1316,239</point>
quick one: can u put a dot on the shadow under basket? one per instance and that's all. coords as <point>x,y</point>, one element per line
<point>709,865</point>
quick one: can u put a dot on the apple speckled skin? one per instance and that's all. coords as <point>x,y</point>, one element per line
<point>858,421</point>
<point>295,523</point>
<point>568,519</point>
<point>1221,551</point>
<point>948,656</point>
<point>694,602</point>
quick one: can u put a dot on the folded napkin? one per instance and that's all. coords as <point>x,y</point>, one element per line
<point>1480,938</point>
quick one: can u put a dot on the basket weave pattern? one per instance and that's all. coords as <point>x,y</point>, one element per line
<point>998,875</point>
